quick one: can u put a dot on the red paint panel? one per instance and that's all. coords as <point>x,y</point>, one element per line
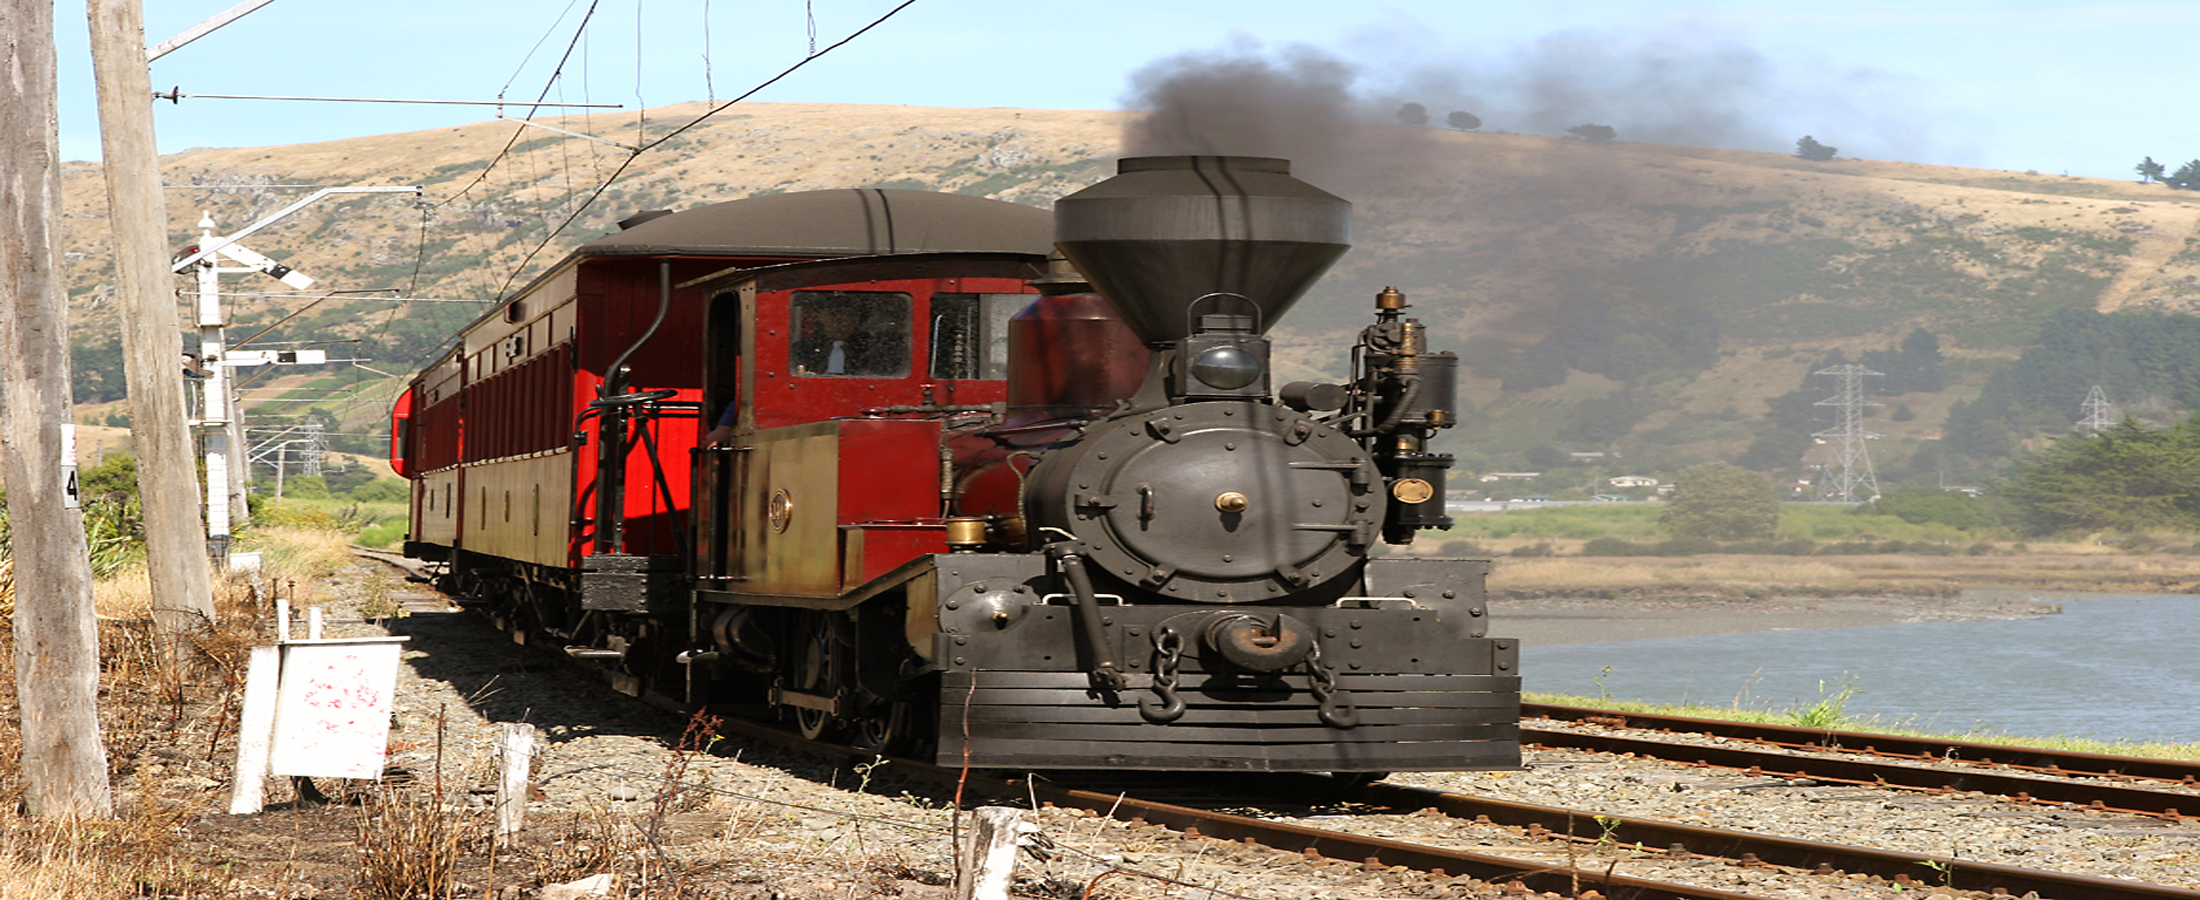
<point>889,470</point>
<point>887,547</point>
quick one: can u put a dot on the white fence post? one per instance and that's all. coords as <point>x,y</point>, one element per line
<point>516,741</point>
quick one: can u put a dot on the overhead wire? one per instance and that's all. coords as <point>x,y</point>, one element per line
<point>576,205</point>
<point>645,147</point>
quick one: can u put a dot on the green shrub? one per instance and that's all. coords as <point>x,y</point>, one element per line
<point>383,536</point>
<point>383,490</point>
<point>1611,546</point>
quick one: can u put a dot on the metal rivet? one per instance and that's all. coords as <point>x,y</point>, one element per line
<point>1355,623</point>
<point>954,604</point>
<point>1448,595</point>
<point>961,661</point>
<point>1355,643</point>
<point>1228,558</point>
<point>1412,594</point>
<point>961,641</point>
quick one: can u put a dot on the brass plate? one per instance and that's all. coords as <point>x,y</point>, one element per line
<point>780,511</point>
<point>1412,490</point>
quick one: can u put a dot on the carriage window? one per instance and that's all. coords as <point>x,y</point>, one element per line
<point>862,334</point>
<point>970,333</point>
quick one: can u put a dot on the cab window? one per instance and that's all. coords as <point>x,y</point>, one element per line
<point>849,334</point>
<point>969,333</point>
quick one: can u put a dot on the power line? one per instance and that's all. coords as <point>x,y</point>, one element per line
<point>629,161</point>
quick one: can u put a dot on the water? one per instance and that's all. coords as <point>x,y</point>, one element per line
<point>2109,669</point>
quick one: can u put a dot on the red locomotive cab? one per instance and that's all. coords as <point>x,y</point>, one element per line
<point>401,435</point>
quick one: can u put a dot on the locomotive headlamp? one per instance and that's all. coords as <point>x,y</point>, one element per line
<point>1226,368</point>
<point>1224,359</point>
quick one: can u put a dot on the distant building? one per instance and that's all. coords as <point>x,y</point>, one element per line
<point>1631,481</point>
<point>1488,477</point>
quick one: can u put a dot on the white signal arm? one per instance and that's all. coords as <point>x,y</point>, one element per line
<point>212,246</point>
<point>272,269</point>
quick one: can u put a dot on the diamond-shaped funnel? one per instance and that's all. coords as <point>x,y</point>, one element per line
<point>1168,230</point>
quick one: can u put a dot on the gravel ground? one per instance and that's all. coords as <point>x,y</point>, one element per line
<point>756,823</point>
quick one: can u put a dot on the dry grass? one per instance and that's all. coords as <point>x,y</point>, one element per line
<point>2044,567</point>
<point>298,561</point>
<point>1595,573</point>
<point>410,844</point>
<point>157,723</point>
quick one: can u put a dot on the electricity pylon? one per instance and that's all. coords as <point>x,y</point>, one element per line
<point>1851,457</point>
<point>2097,413</point>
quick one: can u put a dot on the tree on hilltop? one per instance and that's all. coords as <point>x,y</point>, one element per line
<point>2186,178</point>
<point>1413,114</point>
<point>1464,121</point>
<point>1808,148</point>
<point>1722,501</point>
<point>1593,133</point>
<point>2148,170</point>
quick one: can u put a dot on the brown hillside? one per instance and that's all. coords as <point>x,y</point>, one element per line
<point>1511,238</point>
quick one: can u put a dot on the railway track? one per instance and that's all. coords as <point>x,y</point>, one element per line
<point>1561,850</point>
<point>1544,848</point>
<point>2025,775</point>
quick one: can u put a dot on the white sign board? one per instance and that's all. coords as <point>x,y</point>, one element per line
<point>72,493</point>
<point>332,715</point>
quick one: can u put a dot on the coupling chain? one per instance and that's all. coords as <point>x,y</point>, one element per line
<point>1164,706</point>
<point>1334,703</point>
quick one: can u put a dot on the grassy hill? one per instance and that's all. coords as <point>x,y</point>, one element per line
<point>1673,291</point>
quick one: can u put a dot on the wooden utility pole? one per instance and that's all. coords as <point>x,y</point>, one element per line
<point>175,554</point>
<point>56,632</point>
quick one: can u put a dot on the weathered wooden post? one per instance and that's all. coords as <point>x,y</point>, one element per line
<point>989,862</point>
<point>168,485</point>
<point>56,632</point>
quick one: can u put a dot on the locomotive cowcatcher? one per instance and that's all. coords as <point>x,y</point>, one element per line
<point>870,461</point>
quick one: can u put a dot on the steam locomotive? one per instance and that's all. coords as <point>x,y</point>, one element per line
<point>872,462</point>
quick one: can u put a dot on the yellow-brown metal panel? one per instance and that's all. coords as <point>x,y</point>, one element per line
<point>438,498</point>
<point>789,502</point>
<point>520,507</point>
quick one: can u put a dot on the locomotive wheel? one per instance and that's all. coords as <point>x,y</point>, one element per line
<point>880,728</point>
<point>815,661</point>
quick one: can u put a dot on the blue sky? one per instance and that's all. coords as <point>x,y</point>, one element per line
<point>2083,88</point>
